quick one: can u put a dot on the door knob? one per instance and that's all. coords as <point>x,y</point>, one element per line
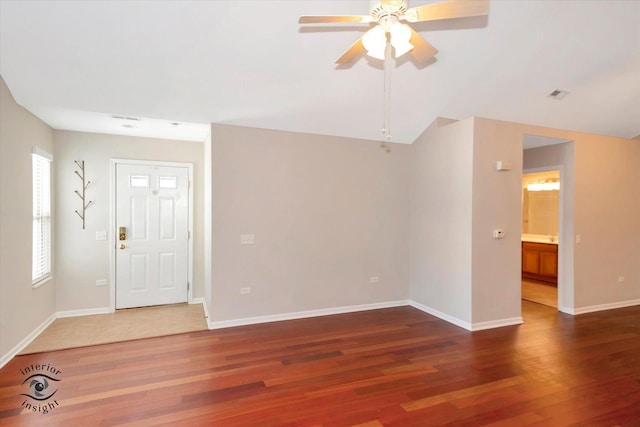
<point>122,246</point>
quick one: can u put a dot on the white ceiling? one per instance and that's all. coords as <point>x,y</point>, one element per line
<point>75,64</point>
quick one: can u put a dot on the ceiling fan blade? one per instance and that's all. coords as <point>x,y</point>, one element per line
<point>422,49</point>
<point>331,19</point>
<point>448,10</point>
<point>350,54</point>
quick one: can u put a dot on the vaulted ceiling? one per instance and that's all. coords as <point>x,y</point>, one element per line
<point>76,64</point>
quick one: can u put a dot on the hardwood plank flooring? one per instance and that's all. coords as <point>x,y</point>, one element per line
<point>391,367</point>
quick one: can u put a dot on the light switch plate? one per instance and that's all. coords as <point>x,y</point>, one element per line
<point>101,282</point>
<point>247,239</point>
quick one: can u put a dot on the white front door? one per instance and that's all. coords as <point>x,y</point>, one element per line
<point>152,235</point>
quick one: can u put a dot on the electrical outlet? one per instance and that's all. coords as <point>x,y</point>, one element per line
<point>101,282</point>
<point>245,291</point>
<point>620,279</point>
<point>373,279</point>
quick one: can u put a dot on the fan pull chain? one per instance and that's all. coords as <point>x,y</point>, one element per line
<point>386,126</point>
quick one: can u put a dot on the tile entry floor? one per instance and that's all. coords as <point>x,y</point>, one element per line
<point>540,293</point>
<point>123,325</point>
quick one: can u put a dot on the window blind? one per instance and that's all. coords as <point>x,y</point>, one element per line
<point>41,266</point>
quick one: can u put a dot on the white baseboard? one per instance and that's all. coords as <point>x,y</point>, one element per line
<point>197,301</point>
<point>565,310</point>
<point>479,326</point>
<point>602,307</point>
<point>302,314</point>
<point>441,315</point>
<point>83,312</point>
<point>6,358</point>
<point>205,307</point>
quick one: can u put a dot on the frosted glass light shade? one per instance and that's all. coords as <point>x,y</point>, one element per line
<point>374,41</point>
<point>400,37</point>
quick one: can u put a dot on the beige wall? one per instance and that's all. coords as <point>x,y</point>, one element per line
<point>22,307</point>
<point>496,267</point>
<point>441,203</point>
<point>81,259</point>
<point>607,216</point>
<point>327,213</point>
<point>601,181</point>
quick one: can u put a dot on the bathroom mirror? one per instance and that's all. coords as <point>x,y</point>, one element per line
<point>540,209</point>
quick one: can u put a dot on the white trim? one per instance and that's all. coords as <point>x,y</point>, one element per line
<point>84,312</point>
<point>491,324</point>
<point>302,314</point>
<point>112,222</point>
<point>199,300</point>
<point>42,281</point>
<point>565,310</point>
<point>206,311</point>
<point>26,341</point>
<point>42,153</point>
<point>602,307</point>
<point>441,315</point>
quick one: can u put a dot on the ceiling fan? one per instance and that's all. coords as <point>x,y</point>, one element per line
<point>389,29</point>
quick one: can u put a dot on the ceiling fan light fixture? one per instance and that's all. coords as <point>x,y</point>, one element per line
<point>400,37</point>
<point>375,42</point>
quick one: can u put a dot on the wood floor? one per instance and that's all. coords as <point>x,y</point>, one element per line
<point>540,292</point>
<point>391,367</point>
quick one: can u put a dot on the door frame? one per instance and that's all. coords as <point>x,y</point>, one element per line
<point>561,236</point>
<point>113,162</point>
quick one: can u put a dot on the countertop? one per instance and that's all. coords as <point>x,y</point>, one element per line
<point>540,238</point>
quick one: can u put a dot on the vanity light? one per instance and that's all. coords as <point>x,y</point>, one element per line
<point>543,186</point>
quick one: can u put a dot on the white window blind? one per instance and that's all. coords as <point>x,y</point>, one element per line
<point>41,266</point>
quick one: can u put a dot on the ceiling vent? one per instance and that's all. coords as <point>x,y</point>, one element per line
<point>558,94</point>
<point>132,119</point>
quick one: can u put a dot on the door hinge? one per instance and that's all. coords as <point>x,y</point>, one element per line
<point>187,285</point>
<point>188,235</point>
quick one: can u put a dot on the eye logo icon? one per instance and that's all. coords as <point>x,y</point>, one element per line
<point>40,387</point>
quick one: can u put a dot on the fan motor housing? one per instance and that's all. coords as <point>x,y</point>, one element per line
<point>380,8</point>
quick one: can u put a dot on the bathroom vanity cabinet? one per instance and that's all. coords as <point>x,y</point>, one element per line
<point>540,262</point>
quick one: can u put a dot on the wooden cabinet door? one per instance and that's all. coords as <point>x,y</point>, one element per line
<point>540,262</point>
<point>549,264</point>
<point>530,260</point>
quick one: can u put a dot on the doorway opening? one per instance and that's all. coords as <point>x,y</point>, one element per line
<point>540,236</point>
<point>545,154</point>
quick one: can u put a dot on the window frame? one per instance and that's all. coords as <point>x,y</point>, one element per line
<point>42,217</point>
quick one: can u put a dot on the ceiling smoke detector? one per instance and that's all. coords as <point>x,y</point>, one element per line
<point>558,94</point>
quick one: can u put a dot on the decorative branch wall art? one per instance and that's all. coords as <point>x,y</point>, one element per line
<point>82,192</point>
